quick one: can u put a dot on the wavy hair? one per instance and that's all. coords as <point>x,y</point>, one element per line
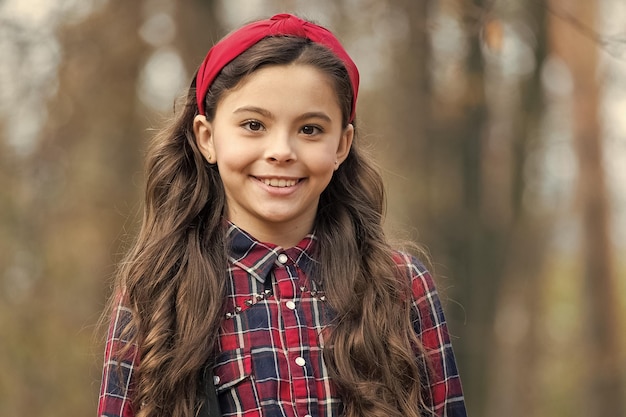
<point>173,277</point>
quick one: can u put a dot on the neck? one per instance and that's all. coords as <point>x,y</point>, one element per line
<point>283,235</point>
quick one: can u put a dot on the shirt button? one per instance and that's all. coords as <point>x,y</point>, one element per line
<point>300,361</point>
<point>291,306</point>
<point>216,380</point>
<point>282,258</point>
<point>308,415</point>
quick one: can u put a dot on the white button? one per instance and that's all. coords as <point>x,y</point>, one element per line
<point>216,380</point>
<point>308,415</point>
<point>282,258</point>
<point>300,361</point>
<point>291,306</point>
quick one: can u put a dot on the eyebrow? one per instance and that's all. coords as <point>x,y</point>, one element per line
<point>254,109</point>
<point>268,114</point>
<point>315,115</point>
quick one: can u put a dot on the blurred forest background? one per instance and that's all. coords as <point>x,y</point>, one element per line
<point>500,126</point>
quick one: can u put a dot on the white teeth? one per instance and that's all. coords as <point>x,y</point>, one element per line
<point>275,182</point>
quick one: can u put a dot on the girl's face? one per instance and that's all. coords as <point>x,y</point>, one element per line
<point>277,139</point>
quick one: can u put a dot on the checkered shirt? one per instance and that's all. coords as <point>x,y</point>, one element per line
<point>270,360</point>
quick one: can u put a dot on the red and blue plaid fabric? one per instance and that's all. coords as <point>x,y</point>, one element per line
<point>271,341</point>
<point>116,388</point>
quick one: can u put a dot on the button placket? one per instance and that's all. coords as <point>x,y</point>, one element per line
<point>294,334</point>
<point>283,259</point>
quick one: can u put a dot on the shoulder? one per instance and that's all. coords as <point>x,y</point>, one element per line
<point>410,266</point>
<point>409,261</point>
<point>426,303</point>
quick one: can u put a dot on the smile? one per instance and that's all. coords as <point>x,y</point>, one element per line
<point>279,182</point>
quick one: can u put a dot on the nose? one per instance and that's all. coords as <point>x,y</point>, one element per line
<point>280,148</point>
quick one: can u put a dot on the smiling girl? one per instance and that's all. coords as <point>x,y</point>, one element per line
<point>261,283</point>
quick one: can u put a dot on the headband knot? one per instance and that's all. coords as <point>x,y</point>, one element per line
<point>233,45</point>
<point>287,24</point>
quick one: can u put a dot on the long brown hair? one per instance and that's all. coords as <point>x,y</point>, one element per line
<point>173,279</point>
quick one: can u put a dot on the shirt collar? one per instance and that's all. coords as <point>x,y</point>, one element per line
<point>259,258</point>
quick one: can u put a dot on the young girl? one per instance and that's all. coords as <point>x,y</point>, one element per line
<point>261,283</point>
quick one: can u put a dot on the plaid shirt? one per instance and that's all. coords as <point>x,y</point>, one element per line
<point>271,341</point>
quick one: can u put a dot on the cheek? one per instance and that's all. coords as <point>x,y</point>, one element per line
<point>232,156</point>
<point>323,160</point>
<point>324,171</point>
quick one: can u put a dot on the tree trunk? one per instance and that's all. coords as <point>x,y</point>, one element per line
<point>605,373</point>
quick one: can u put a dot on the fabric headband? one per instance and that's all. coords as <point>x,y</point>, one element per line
<point>239,41</point>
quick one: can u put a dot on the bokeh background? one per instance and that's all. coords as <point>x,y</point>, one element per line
<point>500,127</point>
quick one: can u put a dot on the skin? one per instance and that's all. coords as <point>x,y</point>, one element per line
<point>277,139</point>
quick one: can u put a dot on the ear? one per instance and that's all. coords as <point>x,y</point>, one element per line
<point>203,130</point>
<point>345,142</point>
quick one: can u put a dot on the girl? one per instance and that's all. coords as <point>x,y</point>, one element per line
<point>261,262</point>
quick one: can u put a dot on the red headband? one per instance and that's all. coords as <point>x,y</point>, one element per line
<point>239,41</point>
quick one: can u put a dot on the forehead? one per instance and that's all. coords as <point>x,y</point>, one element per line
<point>285,87</point>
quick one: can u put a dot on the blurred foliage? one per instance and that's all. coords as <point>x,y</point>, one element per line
<point>471,107</point>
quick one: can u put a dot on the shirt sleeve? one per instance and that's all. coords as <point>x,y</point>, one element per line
<point>443,383</point>
<point>117,373</point>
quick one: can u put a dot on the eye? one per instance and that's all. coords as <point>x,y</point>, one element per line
<point>311,130</point>
<point>252,125</point>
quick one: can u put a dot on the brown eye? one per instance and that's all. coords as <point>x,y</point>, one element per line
<point>253,125</point>
<point>310,130</point>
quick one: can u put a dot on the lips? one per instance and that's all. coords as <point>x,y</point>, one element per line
<point>279,182</point>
